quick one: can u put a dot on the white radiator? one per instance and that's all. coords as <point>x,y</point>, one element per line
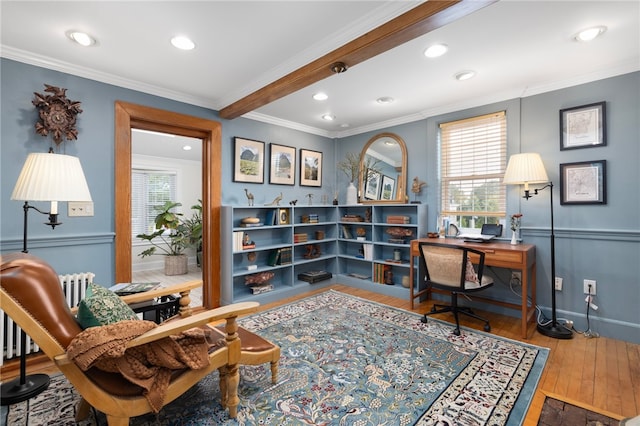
<point>74,287</point>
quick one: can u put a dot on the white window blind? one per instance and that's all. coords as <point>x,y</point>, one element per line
<point>150,189</point>
<point>473,156</point>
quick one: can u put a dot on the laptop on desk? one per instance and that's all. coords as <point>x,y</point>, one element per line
<point>487,233</point>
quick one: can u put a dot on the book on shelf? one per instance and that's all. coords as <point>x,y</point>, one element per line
<point>261,288</point>
<point>300,238</point>
<point>271,217</point>
<point>274,257</point>
<point>398,219</point>
<point>346,232</point>
<point>251,225</point>
<point>359,276</point>
<point>368,251</point>
<point>252,267</point>
<point>248,246</point>
<point>286,256</point>
<point>314,276</point>
<point>122,289</point>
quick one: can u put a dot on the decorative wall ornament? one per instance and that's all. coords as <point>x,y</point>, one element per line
<point>57,114</point>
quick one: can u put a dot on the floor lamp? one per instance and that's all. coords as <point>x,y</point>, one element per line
<point>524,169</point>
<point>44,177</point>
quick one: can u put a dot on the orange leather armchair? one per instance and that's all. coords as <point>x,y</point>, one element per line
<point>30,294</point>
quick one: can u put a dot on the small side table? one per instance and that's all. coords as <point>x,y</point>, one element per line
<point>158,309</point>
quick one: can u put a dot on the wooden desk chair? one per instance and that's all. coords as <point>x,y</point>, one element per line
<point>448,268</point>
<point>30,294</point>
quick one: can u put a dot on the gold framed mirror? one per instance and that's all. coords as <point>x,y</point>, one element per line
<point>383,170</point>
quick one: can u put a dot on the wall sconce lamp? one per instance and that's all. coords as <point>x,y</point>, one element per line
<point>524,169</point>
<point>44,177</point>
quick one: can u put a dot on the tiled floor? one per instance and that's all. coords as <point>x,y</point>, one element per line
<point>194,273</point>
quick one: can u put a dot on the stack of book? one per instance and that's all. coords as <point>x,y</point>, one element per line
<point>124,289</point>
<point>242,242</point>
<point>310,218</point>
<point>315,276</point>
<point>352,218</point>
<point>380,272</point>
<point>398,219</point>
<point>300,238</point>
<point>261,288</point>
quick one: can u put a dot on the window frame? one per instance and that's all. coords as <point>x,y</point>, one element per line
<point>457,138</point>
<point>148,170</point>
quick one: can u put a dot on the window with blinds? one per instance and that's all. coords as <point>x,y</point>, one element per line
<point>150,189</point>
<point>473,154</point>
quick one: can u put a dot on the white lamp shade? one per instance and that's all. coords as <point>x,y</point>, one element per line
<point>525,168</point>
<point>51,177</point>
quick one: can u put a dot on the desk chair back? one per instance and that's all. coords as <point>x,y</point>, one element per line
<point>450,268</point>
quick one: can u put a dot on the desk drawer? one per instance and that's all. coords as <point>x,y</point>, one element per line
<point>498,257</point>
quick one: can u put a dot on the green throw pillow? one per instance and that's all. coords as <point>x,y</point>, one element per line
<point>101,307</point>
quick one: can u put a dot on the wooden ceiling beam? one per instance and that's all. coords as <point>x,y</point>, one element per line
<point>418,21</point>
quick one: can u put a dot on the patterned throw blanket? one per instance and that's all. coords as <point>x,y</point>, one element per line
<point>150,365</point>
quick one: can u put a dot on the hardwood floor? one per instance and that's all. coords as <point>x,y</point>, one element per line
<point>599,374</point>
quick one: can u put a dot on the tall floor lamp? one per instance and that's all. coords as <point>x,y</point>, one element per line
<point>524,169</point>
<point>44,177</point>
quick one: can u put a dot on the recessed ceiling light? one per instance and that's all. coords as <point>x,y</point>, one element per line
<point>328,117</point>
<point>590,33</point>
<point>344,125</point>
<point>183,43</point>
<point>320,96</point>
<point>385,100</point>
<point>465,75</point>
<point>81,38</point>
<point>436,50</point>
<point>186,148</point>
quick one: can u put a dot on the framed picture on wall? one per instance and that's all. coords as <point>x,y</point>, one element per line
<point>282,164</point>
<point>388,188</point>
<point>372,185</point>
<point>583,183</point>
<point>583,127</point>
<point>310,168</point>
<point>248,161</point>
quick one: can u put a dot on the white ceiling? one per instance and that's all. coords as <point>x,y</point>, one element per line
<point>518,48</point>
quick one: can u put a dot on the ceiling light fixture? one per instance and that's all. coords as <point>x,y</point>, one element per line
<point>465,75</point>
<point>183,43</point>
<point>328,117</point>
<point>590,33</point>
<point>436,50</point>
<point>186,148</point>
<point>83,39</point>
<point>385,100</point>
<point>320,96</point>
<point>338,67</point>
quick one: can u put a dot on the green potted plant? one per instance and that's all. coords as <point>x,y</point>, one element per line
<point>170,239</point>
<point>194,226</point>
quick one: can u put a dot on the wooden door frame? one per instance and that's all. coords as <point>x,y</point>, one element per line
<point>128,116</point>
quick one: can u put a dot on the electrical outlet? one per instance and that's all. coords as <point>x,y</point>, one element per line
<point>516,276</point>
<point>80,208</point>
<point>591,283</point>
<point>558,283</point>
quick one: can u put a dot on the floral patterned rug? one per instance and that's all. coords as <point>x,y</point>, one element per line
<point>348,361</point>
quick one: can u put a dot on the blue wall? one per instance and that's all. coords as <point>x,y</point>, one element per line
<point>595,242</point>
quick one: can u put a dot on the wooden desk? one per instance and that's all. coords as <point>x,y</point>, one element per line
<point>503,255</point>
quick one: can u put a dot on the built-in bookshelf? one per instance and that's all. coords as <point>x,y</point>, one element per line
<point>363,245</point>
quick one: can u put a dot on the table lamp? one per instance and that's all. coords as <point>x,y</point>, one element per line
<point>44,177</point>
<point>524,169</point>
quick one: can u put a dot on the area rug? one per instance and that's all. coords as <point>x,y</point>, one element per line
<point>348,361</point>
